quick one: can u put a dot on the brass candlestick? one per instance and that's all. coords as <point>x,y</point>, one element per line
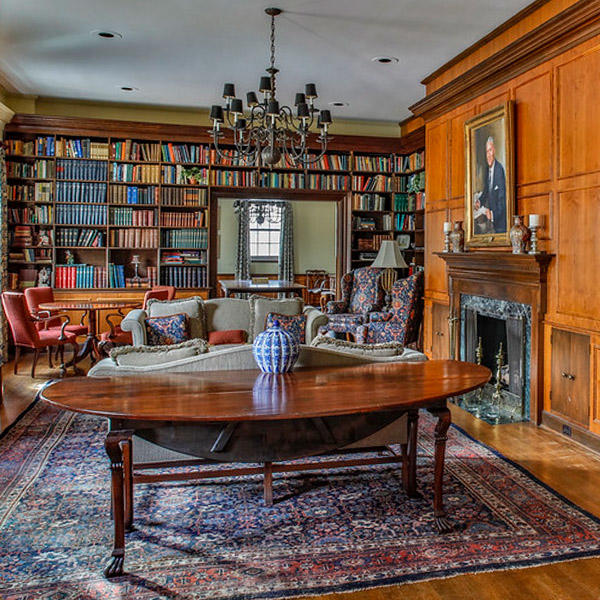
<point>478,359</point>
<point>494,412</point>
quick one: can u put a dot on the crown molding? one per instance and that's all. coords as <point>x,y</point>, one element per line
<point>571,27</point>
<point>6,114</point>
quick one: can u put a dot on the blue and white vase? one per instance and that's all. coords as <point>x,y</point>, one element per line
<point>275,350</point>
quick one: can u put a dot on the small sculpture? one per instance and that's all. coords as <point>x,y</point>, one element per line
<point>43,238</point>
<point>44,277</point>
<point>69,258</point>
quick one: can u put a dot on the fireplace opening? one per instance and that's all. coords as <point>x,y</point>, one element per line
<point>492,333</point>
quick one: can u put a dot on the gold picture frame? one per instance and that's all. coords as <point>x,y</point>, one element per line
<point>489,181</point>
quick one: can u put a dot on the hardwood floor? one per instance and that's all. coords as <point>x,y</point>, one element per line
<point>564,465</point>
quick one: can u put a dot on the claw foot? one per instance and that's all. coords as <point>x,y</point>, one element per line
<point>115,566</point>
<point>443,524</point>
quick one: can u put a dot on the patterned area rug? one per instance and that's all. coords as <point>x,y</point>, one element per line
<point>333,531</point>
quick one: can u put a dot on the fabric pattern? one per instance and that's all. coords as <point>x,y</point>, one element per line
<point>275,350</point>
<point>165,331</point>
<point>333,531</point>
<point>294,324</point>
<point>404,318</point>
<point>285,269</point>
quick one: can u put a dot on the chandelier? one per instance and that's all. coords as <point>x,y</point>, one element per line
<point>268,131</point>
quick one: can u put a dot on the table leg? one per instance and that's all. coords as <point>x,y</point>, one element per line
<point>89,346</point>
<point>128,483</point>
<point>268,483</point>
<point>443,524</point>
<point>114,444</point>
<point>410,474</point>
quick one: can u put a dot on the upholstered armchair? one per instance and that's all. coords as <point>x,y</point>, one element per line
<point>361,294</point>
<point>401,323</point>
<point>39,295</point>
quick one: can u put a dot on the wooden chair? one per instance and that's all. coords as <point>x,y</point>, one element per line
<point>38,295</point>
<point>316,280</point>
<point>25,332</point>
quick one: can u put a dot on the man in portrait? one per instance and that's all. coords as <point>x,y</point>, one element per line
<point>489,215</point>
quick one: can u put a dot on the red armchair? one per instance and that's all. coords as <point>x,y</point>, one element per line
<point>26,334</point>
<point>38,295</point>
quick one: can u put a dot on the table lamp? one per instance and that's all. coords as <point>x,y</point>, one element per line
<point>389,258</point>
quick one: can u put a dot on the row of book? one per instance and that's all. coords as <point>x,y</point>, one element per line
<point>184,277</point>
<point>82,238</point>
<point>328,182</point>
<point>372,242</point>
<point>40,191</point>
<point>151,279</point>
<point>80,276</point>
<point>38,215</point>
<point>40,169</point>
<point>91,170</point>
<point>134,238</point>
<point>175,174</point>
<point>405,222</point>
<point>80,214</point>
<point>230,158</point>
<point>233,178</point>
<point>409,162</point>
<point>135,173</point>
<point>372,163</point>
<point>416,182</point>
<point>183,219</point>
<point>127,194</point>
<point>41,146</point>
<point>185,238</point>
<point>369,202</point>
<point>131,217</point>
<point>81,148</point>
<point>184,196</point>
<point>371,183</point>
<point>293,181</point>
<point>409,202</point>
<point>131,150</point>
<point>184,257</point>
<point>333,162</point>
<point>185,153</point>
<point>80,191</point>
<point>21,236</point>
<point>31,255</point>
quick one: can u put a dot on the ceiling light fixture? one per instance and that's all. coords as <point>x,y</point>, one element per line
<point>385,60</point>
<point>128,88</point>
<point>338,103</point>
<point>269,131</point>
<point>107,34</point>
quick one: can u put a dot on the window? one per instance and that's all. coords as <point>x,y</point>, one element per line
<point>265,230</point>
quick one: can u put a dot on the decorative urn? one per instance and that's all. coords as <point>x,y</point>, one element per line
<point>275,350</point>
<point>519,235</point>
<point>457,237</point>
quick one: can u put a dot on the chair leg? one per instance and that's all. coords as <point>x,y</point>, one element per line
<point>17,358</point>
<point>36,355</point>
<point>49,350</point>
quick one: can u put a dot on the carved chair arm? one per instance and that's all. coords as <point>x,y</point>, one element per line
<point>45,320</point>
<point>118,315</point>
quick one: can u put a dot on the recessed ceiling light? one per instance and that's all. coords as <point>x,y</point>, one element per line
<point>128,88</point>
<point>385,60</point>
<point>339,103</point>
<point>107,34</point>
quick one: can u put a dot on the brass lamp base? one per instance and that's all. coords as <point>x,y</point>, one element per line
<point>387,279</point>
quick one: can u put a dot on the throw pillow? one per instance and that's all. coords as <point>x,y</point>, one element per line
<point>382,350</point>
<point>145,356</point>
<point>166,331</point>
<point>293,324</point>
<point>193,307</point>
<point>260,307</point>
<point>227,336</point>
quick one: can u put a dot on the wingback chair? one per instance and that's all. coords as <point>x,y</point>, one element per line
<point>401,323</point>
<point>23,327</point>
<point>38,295</point>
<point>361,294</point>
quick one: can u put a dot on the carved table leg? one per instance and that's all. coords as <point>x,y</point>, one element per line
<point>410,475</point>
<point>443,524</point>
<point>128,483</point>
<point>114,443</point>
<point>268,483</point>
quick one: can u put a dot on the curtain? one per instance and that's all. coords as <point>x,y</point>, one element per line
<point>242,264</point>
<point>3,249</point>
<point>286,243</point>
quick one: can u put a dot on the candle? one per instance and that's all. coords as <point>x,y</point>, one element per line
<point>447,227</point>
<point>534,220</point>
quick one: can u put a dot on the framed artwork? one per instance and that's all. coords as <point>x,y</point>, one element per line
<point>489,182</point>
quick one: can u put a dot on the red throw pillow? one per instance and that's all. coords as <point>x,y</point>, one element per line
<point>227,336</point>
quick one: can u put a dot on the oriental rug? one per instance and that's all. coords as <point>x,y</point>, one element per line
<point>328,531</point>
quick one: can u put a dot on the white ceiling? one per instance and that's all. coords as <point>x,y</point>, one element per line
<point>180,52</point>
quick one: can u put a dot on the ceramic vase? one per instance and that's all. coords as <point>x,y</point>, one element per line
<point>275,350</point>
<point>457,237</point>
<point>519,235</point>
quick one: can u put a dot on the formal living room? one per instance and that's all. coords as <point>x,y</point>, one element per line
<point>299,300</point>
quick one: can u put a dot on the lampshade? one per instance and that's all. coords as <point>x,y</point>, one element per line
<point>389,256</point>
<point>216,113</point>
<point>236,106</point>
<point>228,90</point>
<point>303,110</point>
<point>264,85</point>
<point>251,99</point>
<point>273,108</point>
<point>310,90</point>
<point>325,116</point>
<point>300,99</point>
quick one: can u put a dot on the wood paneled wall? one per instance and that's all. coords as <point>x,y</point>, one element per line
<point>557,126</point>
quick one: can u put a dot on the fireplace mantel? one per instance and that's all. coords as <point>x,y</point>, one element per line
<point>504,276</point>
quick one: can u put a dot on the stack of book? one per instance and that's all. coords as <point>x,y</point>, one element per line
<point>22,236</point>
<point>184,257</point>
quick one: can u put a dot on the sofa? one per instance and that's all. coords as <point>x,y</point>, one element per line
<point>224,314</point>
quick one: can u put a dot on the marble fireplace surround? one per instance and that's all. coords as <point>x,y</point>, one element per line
<point>503,276</point>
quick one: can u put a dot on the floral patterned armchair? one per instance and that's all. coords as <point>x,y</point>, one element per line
<point>401,323</point>
<point>361,294</point>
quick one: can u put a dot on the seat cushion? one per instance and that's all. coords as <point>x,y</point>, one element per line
<point>227,313</point>
<point>260,307</point>
<point>293,324</point>
<point>166,331</point>
<point>119,337</point>
<point>193,307</point>
<point>142,356</point>
<point>344,323</point>
<point>380,350</point>
<point>49,337</point>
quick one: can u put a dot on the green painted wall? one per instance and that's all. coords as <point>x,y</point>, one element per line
<point>314,238</point>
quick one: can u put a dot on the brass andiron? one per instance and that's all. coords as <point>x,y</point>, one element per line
<point>494,412</point>
<point>479,393</point>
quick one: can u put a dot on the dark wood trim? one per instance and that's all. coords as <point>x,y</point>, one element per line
<point>75,126</point>
<point>525,12</point>
<point>413,141</point>
<point>569,28</point>
<point>578,433</point>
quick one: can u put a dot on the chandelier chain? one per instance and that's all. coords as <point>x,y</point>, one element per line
<point>273,55</point>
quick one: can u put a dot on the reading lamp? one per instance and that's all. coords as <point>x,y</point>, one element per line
<point>389,258</point>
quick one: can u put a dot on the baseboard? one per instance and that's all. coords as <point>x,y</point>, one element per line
<point>571,431</point>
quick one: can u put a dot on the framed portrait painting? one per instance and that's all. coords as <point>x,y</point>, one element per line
<point>489,183</point>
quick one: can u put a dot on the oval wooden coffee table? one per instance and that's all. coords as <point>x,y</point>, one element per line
<point>247,416</point>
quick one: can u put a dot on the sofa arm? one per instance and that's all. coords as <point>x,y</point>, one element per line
<point>336,307</point>
<point>314,320</point>
<point>134,322</point>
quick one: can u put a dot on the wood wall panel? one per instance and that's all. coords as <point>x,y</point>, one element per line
<point>436,159</point>
<point>540,205</point>
<point>595,391</point>
<point>457,153</point>
<point>436,281</point>
<point>533,114</point>
<point>578,88</point>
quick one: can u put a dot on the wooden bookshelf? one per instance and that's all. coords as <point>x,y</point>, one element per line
<point>121,187</point>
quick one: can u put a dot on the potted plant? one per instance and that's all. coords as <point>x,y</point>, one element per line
<point>193,174</point>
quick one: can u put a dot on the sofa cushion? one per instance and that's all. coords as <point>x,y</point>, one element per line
<point>227,336</point>
<point>166,331</point>
<point>226,313</point>
<point>293,324</point>
<point>142,356</point>
<point>381,350</point>
<point>193,307</point>
<point>260,307</point>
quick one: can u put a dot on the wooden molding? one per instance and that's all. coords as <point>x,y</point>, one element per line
<point>571,27</point>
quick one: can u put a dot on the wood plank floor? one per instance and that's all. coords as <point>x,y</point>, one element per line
<point>564,465</point>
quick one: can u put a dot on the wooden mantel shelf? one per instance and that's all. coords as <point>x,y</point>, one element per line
<point>498,266</point>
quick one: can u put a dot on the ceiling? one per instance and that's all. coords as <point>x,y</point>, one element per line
<point>180,52</point>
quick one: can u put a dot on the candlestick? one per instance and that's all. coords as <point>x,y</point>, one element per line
<point>446,241</point>
<point>534,239</point>
<point>447,227</point>
<point>534,220</point>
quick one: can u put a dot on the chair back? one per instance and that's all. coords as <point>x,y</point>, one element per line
<point>160,292</point>
<point>22,326</point>
<point>407,305</point>
<point>316,280</point>
<point>38,295</point>
<point>366,295</point>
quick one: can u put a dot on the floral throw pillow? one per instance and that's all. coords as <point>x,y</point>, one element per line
<point>166,331</point>
<point>293,324</point>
